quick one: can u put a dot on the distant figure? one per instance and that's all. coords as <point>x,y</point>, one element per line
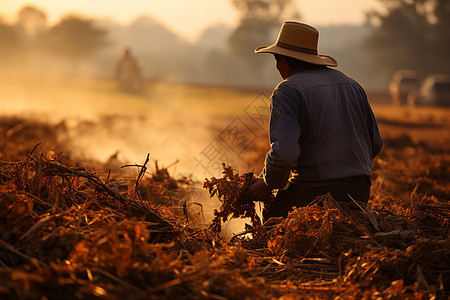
<point>128,73</point>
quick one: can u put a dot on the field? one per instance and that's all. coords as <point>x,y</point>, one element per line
<point>86,214</point>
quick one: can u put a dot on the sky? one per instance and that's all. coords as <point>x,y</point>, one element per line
<point>190,17</point>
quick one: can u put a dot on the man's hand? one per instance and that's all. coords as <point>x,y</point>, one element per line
<point>258,191</point>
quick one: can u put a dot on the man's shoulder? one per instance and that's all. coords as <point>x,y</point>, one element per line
<point>317,74</point>
<point>305,80</point>
<point>287,88</point>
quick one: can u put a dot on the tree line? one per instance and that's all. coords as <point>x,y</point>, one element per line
<point>73,38</point>
<point>409,34</point>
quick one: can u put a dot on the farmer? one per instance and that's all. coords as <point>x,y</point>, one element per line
<point>323,134</point>
<point>128,73</point>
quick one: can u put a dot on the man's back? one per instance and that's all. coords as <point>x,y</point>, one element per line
<point>338,134</point>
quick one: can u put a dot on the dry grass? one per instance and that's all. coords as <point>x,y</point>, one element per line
<point>74,230</point>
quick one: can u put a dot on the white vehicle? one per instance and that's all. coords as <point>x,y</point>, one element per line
<point>401,85</point>
<point>434,91</point>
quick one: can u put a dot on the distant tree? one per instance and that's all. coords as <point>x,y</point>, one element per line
<point>259,22</point>
<point>31,20</point>
<point>74,38</point>
<point>412,34</point>
<point>441,29</point>
<point>10,41</point>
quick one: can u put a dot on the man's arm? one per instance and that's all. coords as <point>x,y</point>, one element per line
<point>285,132</point>
<point>372,126</point>
<point>375,137</point>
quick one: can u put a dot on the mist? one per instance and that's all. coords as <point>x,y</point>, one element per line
<point>34,48</point>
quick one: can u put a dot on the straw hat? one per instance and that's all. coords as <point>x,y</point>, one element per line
<point>299,41</point>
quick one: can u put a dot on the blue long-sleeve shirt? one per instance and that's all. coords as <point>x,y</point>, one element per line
<point>321,128</point>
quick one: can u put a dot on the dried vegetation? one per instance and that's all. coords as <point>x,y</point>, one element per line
<point>67,232</point>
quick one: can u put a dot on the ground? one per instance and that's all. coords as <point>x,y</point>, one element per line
<point>84,215</point>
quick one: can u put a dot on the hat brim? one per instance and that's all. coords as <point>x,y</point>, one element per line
<point>321,60</point>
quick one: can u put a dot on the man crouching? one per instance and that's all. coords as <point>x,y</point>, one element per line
<point>323,133</point>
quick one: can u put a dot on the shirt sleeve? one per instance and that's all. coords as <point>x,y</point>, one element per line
<point>374,133</point>
<point>375,137</point>
<point>372,126</point>
<point>284,131</point>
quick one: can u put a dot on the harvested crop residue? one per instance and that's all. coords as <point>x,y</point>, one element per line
<point>76,230</point>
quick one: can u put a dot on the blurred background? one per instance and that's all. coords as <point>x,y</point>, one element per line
<point>168,77</point>
<point>212,42</point>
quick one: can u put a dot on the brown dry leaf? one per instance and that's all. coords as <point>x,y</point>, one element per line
<point>231,190</point>
<point>26,276</point>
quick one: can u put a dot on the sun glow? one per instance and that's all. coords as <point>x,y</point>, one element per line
<point>189,18</point>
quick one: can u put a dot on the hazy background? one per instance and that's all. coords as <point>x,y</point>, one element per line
<point>190,18</point>
<point>183,41</point>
